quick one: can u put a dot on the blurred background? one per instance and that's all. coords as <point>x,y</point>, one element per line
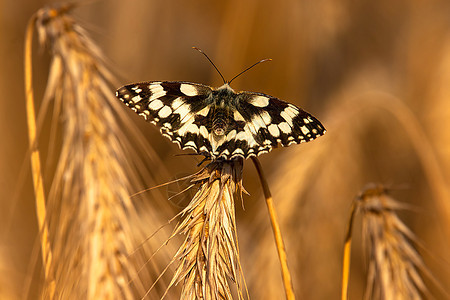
<point>376,73</point>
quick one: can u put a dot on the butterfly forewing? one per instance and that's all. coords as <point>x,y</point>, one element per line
<point>268,121</point>
<point>220,123</point>
<point>178,108</point>
<point>284,122</point>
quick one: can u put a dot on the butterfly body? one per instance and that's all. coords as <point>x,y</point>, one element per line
<point>220,123</point>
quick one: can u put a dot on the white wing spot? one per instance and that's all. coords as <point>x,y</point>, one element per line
<point>259,101</point>
<point>183,129</point>
<point>225,152</point>
<point>216,141</point>
<point>305,120</point>
<point>238,151</point>
<point>191,144</point>
<point>266,117</point>
<point>304,130</point>
<point>193,128</point>
<point>204,132</point>
<point>238,117</point>
<point>250,129</point>
<point>126,96</point>
<point>183,110</point>
<point>165,112</point>
<point>188,89</point>
<point>177,103</point>
<point>287,117</point>
<point>176,141</point>
<point>231,135</point>
<point>167,125</point>
<point>291,110</point>
<point>155,104</point>
<point>273,130</point>
<point>204,112</point>
<point>247,136</point>
<point>241,136</point>
<point>262,151</point>
<point>258,122</point>
<point>157,91</point>
<point>136,99</point>
<point>284,127</point>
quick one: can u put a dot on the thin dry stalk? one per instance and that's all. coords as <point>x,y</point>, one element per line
<point>394,264</point>
<point>36,159</point>
<point>209,256</point>
<point>89,209</point>
<point>287,281</point>
<point>347,254</point>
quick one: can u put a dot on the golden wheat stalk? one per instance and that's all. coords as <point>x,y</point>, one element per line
<point>209,255</point>
<point>36,159</point>
<point>89,208</point>
<point>347,254</point>
<point>394,264</point>
<point>286,274</point>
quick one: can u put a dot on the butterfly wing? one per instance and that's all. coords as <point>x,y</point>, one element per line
<point>179,109</point>
<point>185,113</point>
<point>266,122</point>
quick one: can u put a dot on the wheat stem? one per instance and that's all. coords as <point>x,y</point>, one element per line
<point>347,252</point>
<point>287,281</point>
<point>35,157</point>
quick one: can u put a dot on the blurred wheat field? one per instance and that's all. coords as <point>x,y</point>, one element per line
<point>375,73</point>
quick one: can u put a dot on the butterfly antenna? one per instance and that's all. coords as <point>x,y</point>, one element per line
<point>200,50</point>
<point>261,61</point>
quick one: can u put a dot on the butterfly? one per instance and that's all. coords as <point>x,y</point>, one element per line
<point>220,123</point>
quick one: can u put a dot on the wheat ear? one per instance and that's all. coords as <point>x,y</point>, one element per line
<point>89,207</point>
<point>394,264</point>
<point>209,255</point>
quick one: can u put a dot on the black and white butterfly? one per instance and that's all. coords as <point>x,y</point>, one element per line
<point>220,123</point>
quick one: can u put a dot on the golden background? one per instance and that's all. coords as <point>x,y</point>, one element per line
<point>376,73</point>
